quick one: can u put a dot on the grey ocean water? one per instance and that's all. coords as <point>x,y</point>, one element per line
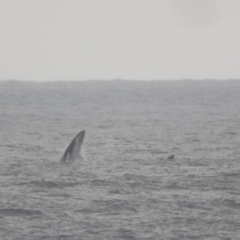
<point>125,188</point>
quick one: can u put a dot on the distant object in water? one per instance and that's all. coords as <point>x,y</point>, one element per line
<point>72,152</point>
<point>171,157</point>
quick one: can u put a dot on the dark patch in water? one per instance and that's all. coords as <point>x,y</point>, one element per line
<point>171,157</point>
<point>232,204</point>
<point>43,184</point>
<point>18,212</point>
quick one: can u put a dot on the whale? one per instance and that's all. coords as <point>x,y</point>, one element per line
<point>73,151</point>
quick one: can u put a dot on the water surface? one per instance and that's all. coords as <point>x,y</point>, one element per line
<point>125,188</point>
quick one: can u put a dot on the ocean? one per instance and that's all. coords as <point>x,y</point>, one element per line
<point>126,187</point>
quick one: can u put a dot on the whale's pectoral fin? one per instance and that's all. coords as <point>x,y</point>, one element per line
<point>72,153</point>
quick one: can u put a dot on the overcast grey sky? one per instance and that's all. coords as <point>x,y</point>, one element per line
<point>119,39</point>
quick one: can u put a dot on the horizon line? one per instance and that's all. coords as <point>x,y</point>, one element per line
<point>119,79</point>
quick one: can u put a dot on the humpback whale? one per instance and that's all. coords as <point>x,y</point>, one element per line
<point>72,153</point>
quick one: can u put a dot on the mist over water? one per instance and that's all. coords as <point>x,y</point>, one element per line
<point>125,188</point>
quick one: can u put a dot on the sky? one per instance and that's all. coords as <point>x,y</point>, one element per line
<point>49,40</point>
